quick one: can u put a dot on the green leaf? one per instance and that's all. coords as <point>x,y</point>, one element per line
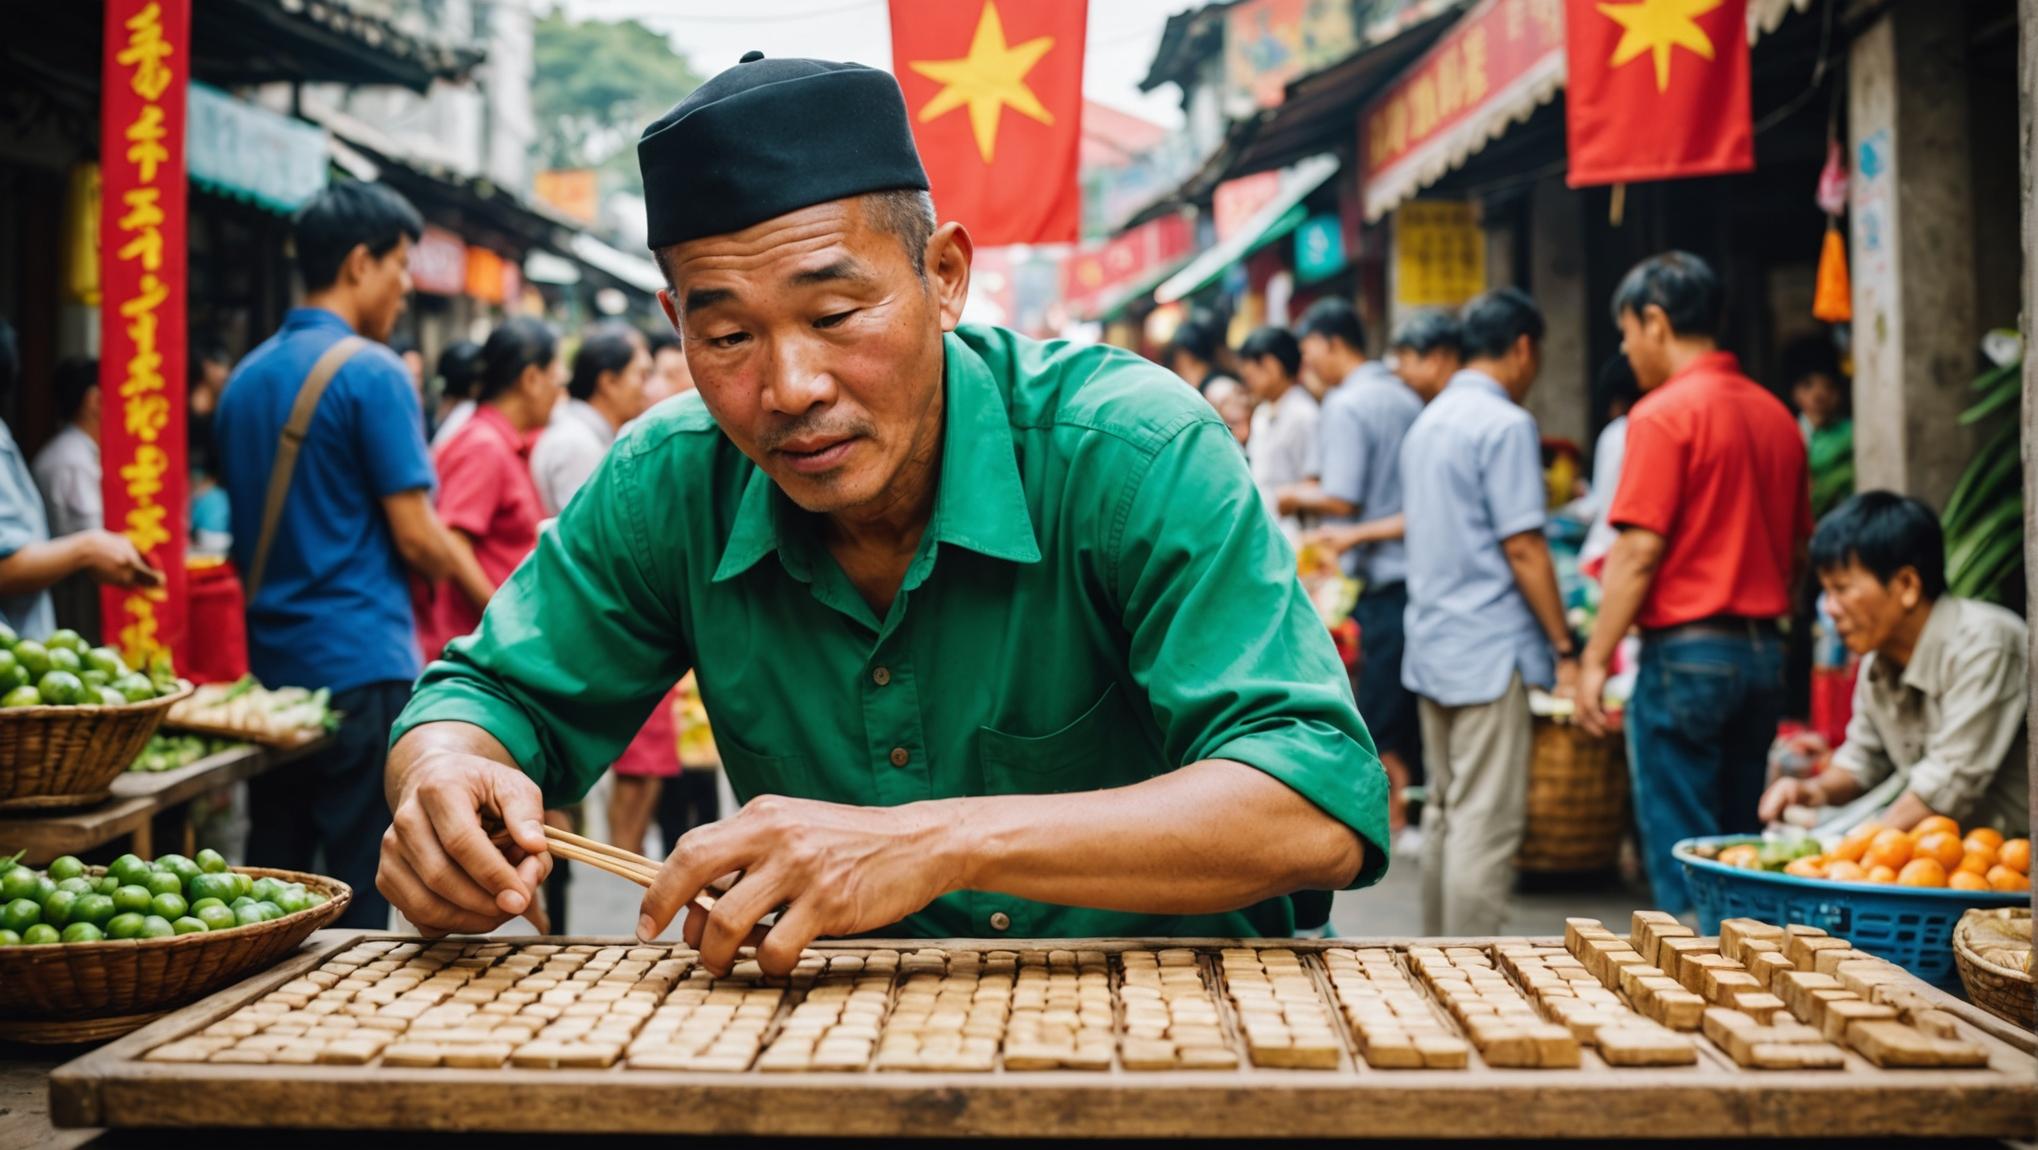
<point>1996,376</point>
<point>8,862</point>
<point>1992,476</point>
<point>2002,526</point>
<point>1985,575</point>
<point>1990,404</point>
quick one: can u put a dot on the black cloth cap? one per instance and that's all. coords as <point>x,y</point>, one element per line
<point>769,137</point>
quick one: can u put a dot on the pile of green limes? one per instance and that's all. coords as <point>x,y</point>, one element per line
<point>135,899</point>
<point>63,670</point>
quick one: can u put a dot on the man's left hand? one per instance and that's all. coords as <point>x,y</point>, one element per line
<point>1591,695</point>
<point>835,869</point>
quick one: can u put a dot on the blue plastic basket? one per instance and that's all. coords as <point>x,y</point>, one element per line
<point>1910,926</point>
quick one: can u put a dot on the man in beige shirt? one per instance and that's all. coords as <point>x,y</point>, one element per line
<point>1942,688</point>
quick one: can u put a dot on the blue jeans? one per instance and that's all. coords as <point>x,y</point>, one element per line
<point>1699,728</point>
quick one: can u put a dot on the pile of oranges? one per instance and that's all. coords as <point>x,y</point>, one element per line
<point>1932,854</point>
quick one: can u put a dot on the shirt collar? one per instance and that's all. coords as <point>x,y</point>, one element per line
<point>979,504</point>
<point>1712,363</point>
<point>1922,671</point>
<point>583,413</point>
<point>499,425</point>
<point>315,317</point>
<point>1479,381</point>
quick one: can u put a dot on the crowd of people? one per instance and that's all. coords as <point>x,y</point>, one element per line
<point>1425,474</point>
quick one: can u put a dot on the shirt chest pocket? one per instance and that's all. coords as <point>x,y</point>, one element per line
<point>1101,747</point>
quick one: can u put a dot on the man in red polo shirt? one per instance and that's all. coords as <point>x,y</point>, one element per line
<point>1713,510</point>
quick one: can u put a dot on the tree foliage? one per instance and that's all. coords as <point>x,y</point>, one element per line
<point>595,84</point>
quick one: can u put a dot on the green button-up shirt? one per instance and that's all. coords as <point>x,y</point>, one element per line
<point>1099,598</point>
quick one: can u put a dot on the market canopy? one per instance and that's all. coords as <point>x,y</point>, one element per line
<point>1281,214</point>
<point>238,42</point>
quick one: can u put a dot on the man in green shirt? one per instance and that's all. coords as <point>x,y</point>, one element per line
<point>996,636</point>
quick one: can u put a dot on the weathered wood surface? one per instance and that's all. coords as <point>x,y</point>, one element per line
<point>1712,1099</point>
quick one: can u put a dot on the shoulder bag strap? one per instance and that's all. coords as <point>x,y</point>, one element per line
<point>301,412</point>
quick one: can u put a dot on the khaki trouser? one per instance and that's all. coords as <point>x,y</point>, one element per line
<point>1477,809</point>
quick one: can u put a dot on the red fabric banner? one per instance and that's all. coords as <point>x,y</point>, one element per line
<point>142,383</point>
<point>1658,89</point>
<point>995,92</point>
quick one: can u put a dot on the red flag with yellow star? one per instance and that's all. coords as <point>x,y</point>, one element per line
<point>1658,89</point>
<point>995,92</point>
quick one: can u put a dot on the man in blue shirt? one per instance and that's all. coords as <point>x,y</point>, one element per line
<point>1484,614</point>
<point>333,606</point>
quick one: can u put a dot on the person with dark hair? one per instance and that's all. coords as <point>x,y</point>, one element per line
<point>1941,699</point>
<point>1429,348</point>
<point>30,561</point>
<point>1282,446</point>
<point>605,391</point>
<point>1819,390</point>
<point>413,358</point>
<point>211,510</point>
<point>1366,413</point>
<point>996,636</point>
<point>1712,515</point>
<point>1485,618</point>
<point>67,470</point>
<point>322,454</point>
<point>488,498</point>
<point>1196,350</point>
<point>459,382</point>
<point>669,375</point>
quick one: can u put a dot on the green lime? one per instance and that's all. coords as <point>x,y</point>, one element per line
<point>7,636</point>
<point>66,866</point>
<point>41,934</point>
<point>217,917</point>
<point>64,659</point>
<point>65,639</point>
<point>198,904</point>
<point>293,900</point>
<point>20,914</point>
<point>107,696</point>
<point>185,924</point>
<point>178,865</point>
<point>107,884</point>
<point>9,938</point>
<point>127,925</point>
<point>211,861</point>
<point>163,882</point>
<point>44,885</point>
<point>128,868</point>
<point>132,897</point>
<point>33,658</point>
<point>137,688</point>
<point>243,882</point>
<point>18,882</point>
<point>266,889</point>
<point>250,914</point>
<point>107,661</point>
<point>170,906</point>
<point>57,908</point>
<point>79,885</point>
<point>94,679</point>
<point>8,662</point>
<point>93,908</point>
<point>240,902</point>
<point>22,696</point>
<point>269,910</point>
<point>318,899</point>
<point>82,932</point>
<point>60,688</point>
<point>213,886</point>
<point>156,926</point>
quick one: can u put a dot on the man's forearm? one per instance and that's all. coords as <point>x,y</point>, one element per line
<point>465,570</point>
<point>1630,569</point>
<point>1528,554</point>
<point>1170,845</point>
<point>421,744</point>
<point>1309,498</point>
<point>39,566</point>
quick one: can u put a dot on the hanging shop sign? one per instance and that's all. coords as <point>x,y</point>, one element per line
<point>145,73</point>
<point>250,152</point>
<point>572,191</point>
<point>1092,274</point>
<point>1268,43</point>
<point>1439,254</point>
<point>438,264</point>
<point>1319,247</point>
<point>1494,67</point>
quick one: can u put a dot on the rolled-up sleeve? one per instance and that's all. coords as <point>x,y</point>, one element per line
<point>1233,658</point>
<point>1341,449</point>
<point>1862,752</point>
<point>1981,710</point>
<point>575,649</point>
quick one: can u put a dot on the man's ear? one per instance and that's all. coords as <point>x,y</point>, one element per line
<point>355,267</point>
<point>949,252</point>
<point>671,310</point>
<point>1908,588</point>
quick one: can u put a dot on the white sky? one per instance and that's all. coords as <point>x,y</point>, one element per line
<point>713,33</point>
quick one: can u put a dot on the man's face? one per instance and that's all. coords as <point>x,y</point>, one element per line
<point>1866,611</point>
<point>1426,372</point>
<point>383,289</point>
<point>633,384</point>
<point>1261,375</point>
<point>818,349</point>
<point>1645,338</point>
<point>669,375</point>
<point>1818,396</point>
<point>1316,357</point>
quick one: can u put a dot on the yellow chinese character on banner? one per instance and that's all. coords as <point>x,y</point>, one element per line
<point>1474,49</point>
<point>1422,106</point>
<point>145,147</point>
<point>145,52</point>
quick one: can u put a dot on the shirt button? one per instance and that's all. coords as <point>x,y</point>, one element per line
<point>881,676</point>
<point>1001,922</point>
<point>899,756</point>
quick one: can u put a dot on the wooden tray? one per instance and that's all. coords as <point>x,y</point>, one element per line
<point>1714,1099</point>
<point>288,742</point>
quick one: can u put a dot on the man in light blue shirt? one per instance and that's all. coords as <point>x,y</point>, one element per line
<point>1484,613</point>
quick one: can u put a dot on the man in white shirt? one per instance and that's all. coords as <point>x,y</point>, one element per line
<point>1283,447</point>
<point>67,467</point>
<point>606,391</point>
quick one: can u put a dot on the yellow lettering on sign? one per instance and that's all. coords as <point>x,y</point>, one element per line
<point>1474,49</point>
<point>1422,106</point>
<point>1450,84</point>
<point>145,52</point>
<point>145,148</point>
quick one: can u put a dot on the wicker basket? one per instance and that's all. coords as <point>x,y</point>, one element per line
<point>70,982</point>
<point>54,757</point>
<point>1577,801</point>
<point>2003,991</point>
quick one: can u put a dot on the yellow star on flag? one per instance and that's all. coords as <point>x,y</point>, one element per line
<point>1657,26</point>
<point>990,78</point>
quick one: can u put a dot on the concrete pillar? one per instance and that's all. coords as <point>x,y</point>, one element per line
<point>2027,141</point>
<point>1562,398</point>
<point>1913,234</point>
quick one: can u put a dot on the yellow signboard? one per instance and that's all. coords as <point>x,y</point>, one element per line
<point>1439,254</point>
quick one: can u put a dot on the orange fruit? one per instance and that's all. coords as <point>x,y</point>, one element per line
<point>2004,879</point>
<point>1935,824</point>
<point>1984,836</point>
<point>1811,867</point>
<point>1978,861</point>
<point>1843,871</point>
<point>1881,874</point>
<point>1967,880</point>
<point>1855,844</point>
<point>1942,847</point>
<point>1922,872</point>
<point>1889,848</point>
<point>2016,854</point>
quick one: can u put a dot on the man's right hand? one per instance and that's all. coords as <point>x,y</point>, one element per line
<point>440,866</point>
<point>111,557</point>
<point>1788,792</point>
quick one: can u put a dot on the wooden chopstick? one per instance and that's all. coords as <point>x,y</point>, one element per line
<point>613,859</point>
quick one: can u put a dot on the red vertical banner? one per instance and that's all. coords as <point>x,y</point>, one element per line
<point>146,73</point>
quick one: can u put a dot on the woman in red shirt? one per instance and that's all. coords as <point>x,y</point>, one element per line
<point>486,494</point>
